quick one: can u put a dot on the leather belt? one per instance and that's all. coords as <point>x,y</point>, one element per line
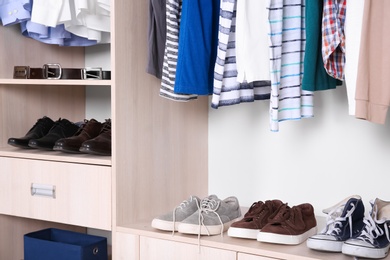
<point>55,71</point>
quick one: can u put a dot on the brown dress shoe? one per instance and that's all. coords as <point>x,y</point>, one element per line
<point>89,130</point>
<point>62,128</point>
<point>100,145</point>
<point>39,130</point>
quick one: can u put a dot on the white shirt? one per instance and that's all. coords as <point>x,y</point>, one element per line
<point>353,32</point>
<point>252,46</point>
<point>86,18</point>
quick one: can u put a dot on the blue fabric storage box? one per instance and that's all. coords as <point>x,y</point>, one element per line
<point>57,244</point>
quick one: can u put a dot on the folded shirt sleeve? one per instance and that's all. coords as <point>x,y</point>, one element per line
<point>46,12</point>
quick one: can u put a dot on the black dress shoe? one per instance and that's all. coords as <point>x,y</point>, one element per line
<point>40,129</point>
<point>88,130</point>
<point>100,145</point>
<point>61,129</point>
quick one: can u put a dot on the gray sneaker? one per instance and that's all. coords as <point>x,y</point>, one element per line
<point>213,217</point>
<point>170,221</point>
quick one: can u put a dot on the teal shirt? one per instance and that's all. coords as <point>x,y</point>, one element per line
<point>315,76</point>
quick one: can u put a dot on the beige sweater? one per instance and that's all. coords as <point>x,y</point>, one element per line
<point>373,80</point>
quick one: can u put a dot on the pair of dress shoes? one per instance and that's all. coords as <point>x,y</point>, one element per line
<point>89,137</point>
<point>92,137</point>
<point>45,133</point>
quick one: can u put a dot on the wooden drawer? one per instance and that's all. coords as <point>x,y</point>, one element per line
<point>126,246</point>
<point>242,256</point>
<point>70,193</point>
<point>151,249</point>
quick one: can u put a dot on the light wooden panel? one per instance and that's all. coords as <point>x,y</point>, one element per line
<point>12,230</point>
<point>22,105</point>
<point>127,246</point>
<point>241,256</point>
<point>160,146</point>
<point>17,50</point>
<point>82,192</point>
<point>151,249</point>
<point>249,247</point>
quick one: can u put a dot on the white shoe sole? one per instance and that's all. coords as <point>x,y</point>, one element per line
<point>365,252</point>
<point>164,225</point>
<point>196,229</point>
<point>243,233</point>
<point>285,239</point>
<point>324,245</point>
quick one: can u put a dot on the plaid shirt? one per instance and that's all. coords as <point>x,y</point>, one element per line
<point>333,38</point>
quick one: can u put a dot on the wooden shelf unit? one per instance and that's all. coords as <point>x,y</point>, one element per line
<point>159,147</point>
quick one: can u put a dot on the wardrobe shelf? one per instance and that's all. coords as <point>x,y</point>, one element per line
<point>239,245</point>
<point>55,156</point>
<point>55,82</point>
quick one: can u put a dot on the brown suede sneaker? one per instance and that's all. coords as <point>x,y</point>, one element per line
<point>290,226</point>
<point>258,215</point>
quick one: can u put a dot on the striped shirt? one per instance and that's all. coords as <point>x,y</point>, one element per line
<point>227,90</point>
<point>173,14</point>
<point>287,37</point>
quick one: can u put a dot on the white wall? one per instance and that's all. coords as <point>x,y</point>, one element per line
<point>98,101</point>
<point>320,160</point>
<point>98,98</point>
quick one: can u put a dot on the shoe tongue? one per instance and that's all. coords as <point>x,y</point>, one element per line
<point>336,214</point>
<point>255,208</point>
<point>211,202</point>
<point>212,197</point>
<point>283,214</point>
<point>381,210</point>
<point>191,198</point>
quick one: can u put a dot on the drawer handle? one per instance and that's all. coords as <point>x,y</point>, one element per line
<point>43,190</point>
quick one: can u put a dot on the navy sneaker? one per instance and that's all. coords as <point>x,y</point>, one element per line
<point>344,221</point>
<point>374,240</point>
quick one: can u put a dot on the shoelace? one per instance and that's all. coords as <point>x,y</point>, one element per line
<point>207,205</point>
<point>372,229</point>
<point>255,208</point>
<point>40,121</point>
<point>258,213</point>
<point>106,126</point>
<point>81,128</point>
<point>282,214</point>
<point>182,205</point>
<point>57,124</point>
<point>334,221</point>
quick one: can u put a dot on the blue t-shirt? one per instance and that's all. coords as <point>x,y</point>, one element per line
<point>198,42</point>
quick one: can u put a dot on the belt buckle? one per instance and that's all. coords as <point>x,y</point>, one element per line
<point>47,74</point>
<point>88,75</point>
<point>21,72</point>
